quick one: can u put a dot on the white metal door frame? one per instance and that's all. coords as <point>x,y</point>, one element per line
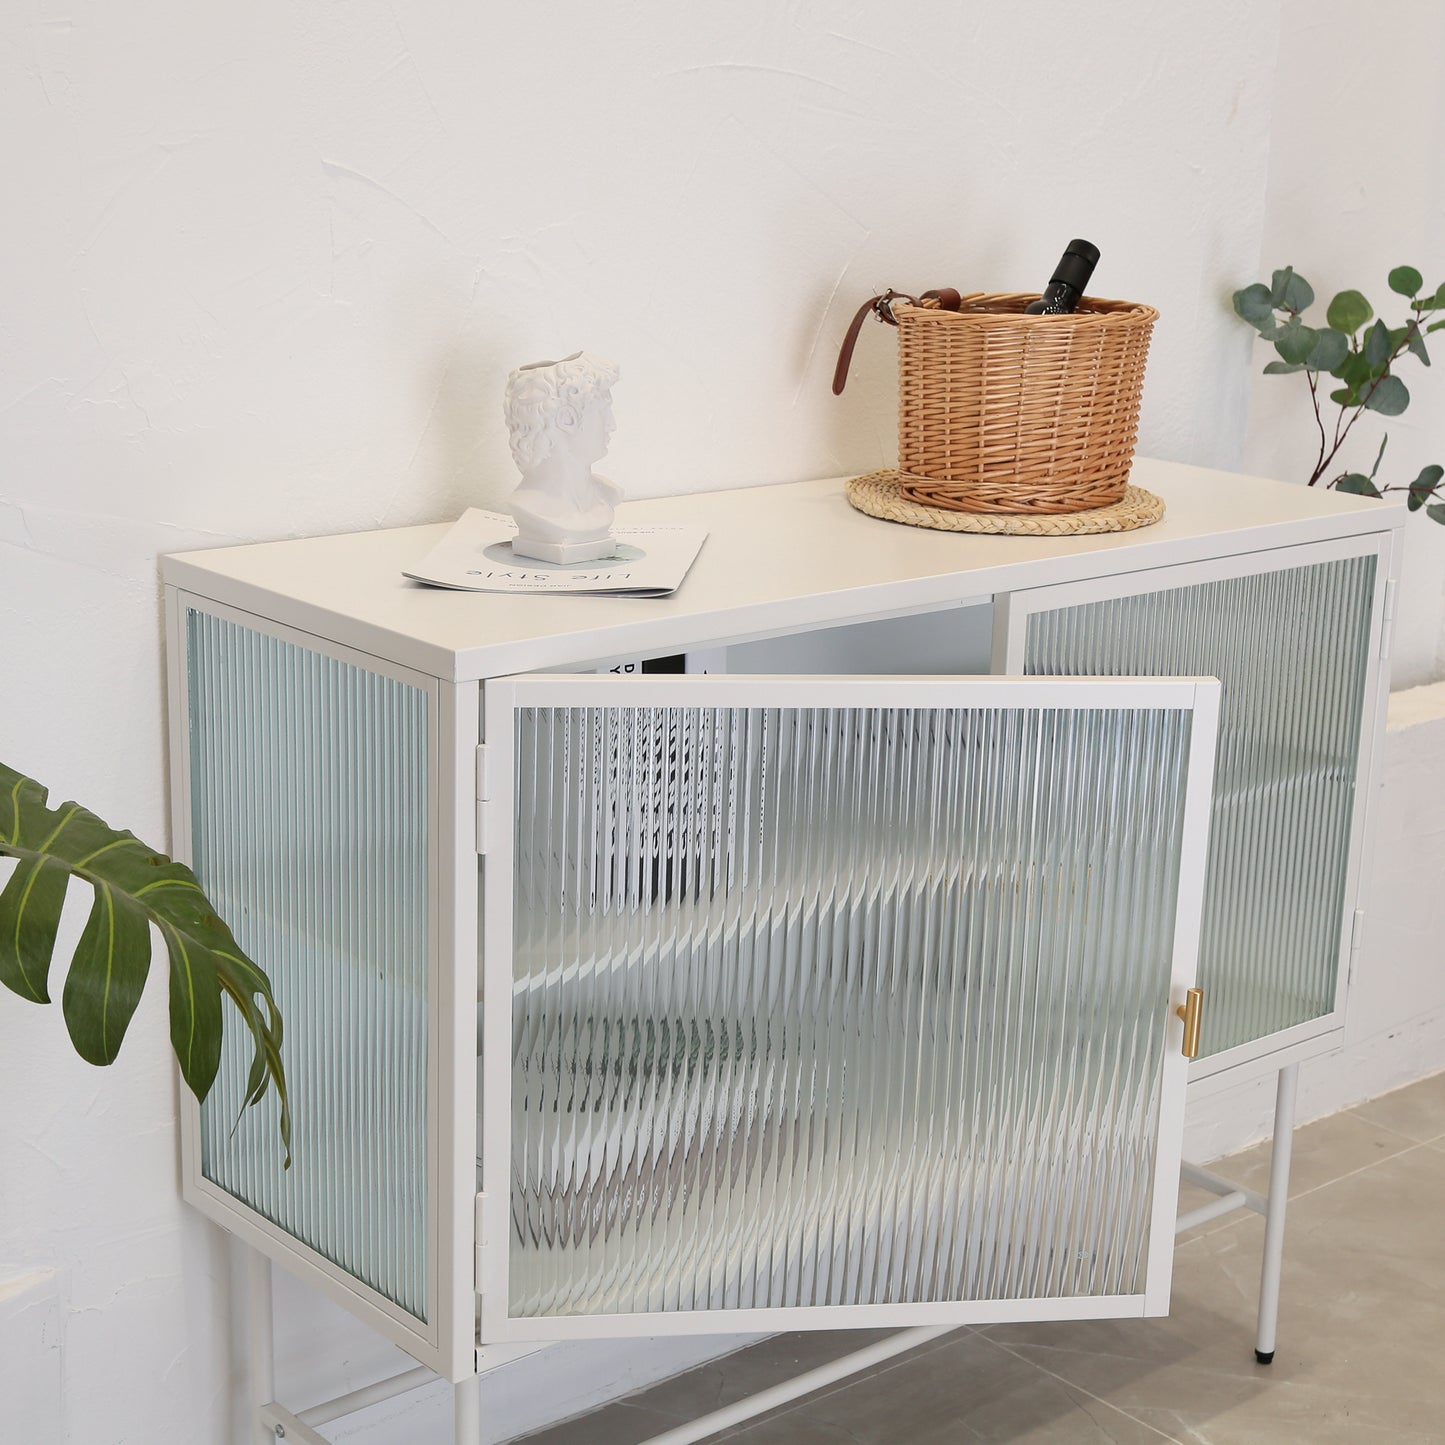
<point>1012,613</point>
<point>503,696</point>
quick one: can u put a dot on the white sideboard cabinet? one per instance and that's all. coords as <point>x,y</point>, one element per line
<point>842,973</point>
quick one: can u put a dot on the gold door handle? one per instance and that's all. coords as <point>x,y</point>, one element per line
<point>1191,1011</point>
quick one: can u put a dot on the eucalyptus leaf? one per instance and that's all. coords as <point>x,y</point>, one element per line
<point>1436,512</point>
<point>1345,396</point>
<point>1379,346</point>
<point>1406,281</point>
<point>1435,325</point>
<point>1348,312</point>
<point>1290,292</point>
<point>135,888</point>
<point>1379,456</point>
<point>1423,487</point>
<point>1354,369</point>
<point>1389,396</point>
<point>1254,306</point>
<point>1416,345</point>
<point>1294,341</point>
<point>1331,348</point>
<point>1284,368</point>
<point>1357,482</point>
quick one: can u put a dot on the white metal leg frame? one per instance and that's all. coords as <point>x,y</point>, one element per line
<point>273,1421</point>
<point>1271,1205</point>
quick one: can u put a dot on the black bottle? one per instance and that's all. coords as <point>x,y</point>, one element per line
<point>1067,283</point>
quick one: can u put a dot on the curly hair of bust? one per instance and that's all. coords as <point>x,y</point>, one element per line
<point>542,399</point>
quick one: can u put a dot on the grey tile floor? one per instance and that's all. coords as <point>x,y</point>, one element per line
<point>1361,1352</point>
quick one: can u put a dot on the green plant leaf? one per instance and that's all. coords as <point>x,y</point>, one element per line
<point>135,888</point>
<point>1354,370</point>
<point>1379,456</point>
<point>1357,482</point>
<point>1294,341</point>
<point>195,995</point>
<point>1345,396</point>
<point>1436,512</point>
<point>1254,306</point>
<point>1406,281</point>
<point>1435,325</point>
<point>1423,487</point>
<point>1348,312</point>
<point>1290,292</point>
<point>1379,344</point>
<point>1389,396</point>
<point>107,974</point>
<point>1416,345</point>
<point>1331,348</point>
<point>29,918</point>
<point>1284,368</point>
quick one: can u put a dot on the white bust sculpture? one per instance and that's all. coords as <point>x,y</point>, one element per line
<point>559,417</point>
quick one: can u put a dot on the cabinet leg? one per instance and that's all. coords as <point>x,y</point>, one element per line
<point>1279,1161</point>
<point>468,1411</point>
<point>260,1346</point>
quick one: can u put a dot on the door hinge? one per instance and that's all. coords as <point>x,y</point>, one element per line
<point>484,793</point>
<point>481,1240</point>
<point>1357,937</point>
<point>1387,618</point>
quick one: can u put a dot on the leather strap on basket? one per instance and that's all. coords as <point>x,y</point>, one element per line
<point>946,299</point>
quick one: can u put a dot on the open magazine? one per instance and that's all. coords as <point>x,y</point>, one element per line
<point>476,556</point>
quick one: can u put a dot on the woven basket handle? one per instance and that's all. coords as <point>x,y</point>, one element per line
<point>946,298</point>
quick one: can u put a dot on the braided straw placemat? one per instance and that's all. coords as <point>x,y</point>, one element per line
<point>879,494</point>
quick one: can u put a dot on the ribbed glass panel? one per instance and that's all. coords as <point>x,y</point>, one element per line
<point>1291,649</point>
<point>309,832</point>
<point>830,1007</point>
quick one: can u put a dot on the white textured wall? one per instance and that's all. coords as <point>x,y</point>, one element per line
<point>264,269</point>
<point>1346,203</point>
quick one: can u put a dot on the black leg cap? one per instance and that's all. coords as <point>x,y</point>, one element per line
<point>1264,1357</point>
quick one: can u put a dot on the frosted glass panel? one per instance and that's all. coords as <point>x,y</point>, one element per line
<point>837,1006</point>
<point>1291,649</point>
<point>309,832</point>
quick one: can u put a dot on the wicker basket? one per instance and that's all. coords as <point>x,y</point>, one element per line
<point>1002,412</point>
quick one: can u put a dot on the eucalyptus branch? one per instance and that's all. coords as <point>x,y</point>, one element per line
<point>1363,357</point>
<point>1374,385</point>
<point>1320,423</point>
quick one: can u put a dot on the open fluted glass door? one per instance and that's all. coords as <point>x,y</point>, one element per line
<point>834,1001</point>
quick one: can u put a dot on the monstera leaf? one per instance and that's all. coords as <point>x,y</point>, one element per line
<point>134,887</point>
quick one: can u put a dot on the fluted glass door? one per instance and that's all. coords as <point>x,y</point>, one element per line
<point>1292,637</point>
<point>831,1001</point>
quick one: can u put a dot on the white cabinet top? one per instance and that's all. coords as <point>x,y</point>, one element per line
<point>777,559</point>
